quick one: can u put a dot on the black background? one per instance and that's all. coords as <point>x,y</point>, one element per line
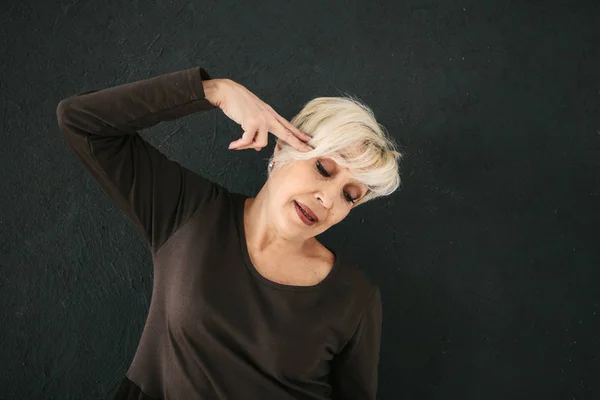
<point>487,257</point>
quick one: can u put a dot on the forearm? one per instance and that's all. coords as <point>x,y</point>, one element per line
<point>141,104</point>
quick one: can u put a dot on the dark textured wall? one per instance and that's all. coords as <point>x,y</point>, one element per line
<point>488,257</point>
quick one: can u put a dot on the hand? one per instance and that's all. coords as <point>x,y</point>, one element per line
<point>256,117</point>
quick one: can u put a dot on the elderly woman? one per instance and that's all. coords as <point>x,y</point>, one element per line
<point>246,302</point>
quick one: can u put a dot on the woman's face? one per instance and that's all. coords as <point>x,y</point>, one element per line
<point>319,186</point>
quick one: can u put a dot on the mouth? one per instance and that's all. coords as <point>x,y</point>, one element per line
<point>305,213</point>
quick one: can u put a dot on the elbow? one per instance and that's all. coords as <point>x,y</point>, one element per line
<point>67,117</point>
<point>71,112</point>
<point>63,111</point>
<point>68,124</point>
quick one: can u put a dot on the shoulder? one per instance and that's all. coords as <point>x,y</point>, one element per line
<point>359,299</point>
<point>354,284</point>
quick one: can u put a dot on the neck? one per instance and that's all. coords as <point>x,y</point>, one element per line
<point>262,235</point>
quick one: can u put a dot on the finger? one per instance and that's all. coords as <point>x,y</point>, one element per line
<point>246,139</point>
<point>249,146</point>
<point>284,134</point>
<point>260,140</point>
<point>287,124</point>
<point>295,142</point>
<point>295,131</point>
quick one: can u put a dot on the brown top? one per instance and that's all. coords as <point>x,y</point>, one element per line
<point>216,327</point>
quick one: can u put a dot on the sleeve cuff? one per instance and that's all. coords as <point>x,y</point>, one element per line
<point>204,74</point>
<point>196,76</point>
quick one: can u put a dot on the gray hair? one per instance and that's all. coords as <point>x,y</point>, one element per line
<point>345,130</point>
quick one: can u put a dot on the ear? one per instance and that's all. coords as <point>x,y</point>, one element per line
<point>277,147</point>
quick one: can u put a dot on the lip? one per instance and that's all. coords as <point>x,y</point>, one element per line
<point>299,206</point>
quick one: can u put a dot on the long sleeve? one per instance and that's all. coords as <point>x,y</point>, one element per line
<point>100,126</point>
<point>354,371</point>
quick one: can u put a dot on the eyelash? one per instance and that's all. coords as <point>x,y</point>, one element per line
<point>323,172</point>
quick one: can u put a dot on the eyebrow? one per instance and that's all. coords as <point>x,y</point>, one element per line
<point>355,181</point>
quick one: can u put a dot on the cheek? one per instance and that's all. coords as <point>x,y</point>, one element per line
<point>293,184</point>
<point>335,217</point>
<point>285,190</point>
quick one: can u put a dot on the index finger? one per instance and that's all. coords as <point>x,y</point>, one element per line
<point>289,126</point>
<point>284,134</point>
<point>296,143</point>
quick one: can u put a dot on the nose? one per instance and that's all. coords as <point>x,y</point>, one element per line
<point>325,198</point>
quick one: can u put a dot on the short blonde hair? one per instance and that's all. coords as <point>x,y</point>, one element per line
<point>345,130</point>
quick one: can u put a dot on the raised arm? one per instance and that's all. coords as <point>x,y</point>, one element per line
<point>100,126</point>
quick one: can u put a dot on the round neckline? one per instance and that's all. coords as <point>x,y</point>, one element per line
<point>241,202</point>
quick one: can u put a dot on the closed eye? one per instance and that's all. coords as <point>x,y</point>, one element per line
<point>324,172</point>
